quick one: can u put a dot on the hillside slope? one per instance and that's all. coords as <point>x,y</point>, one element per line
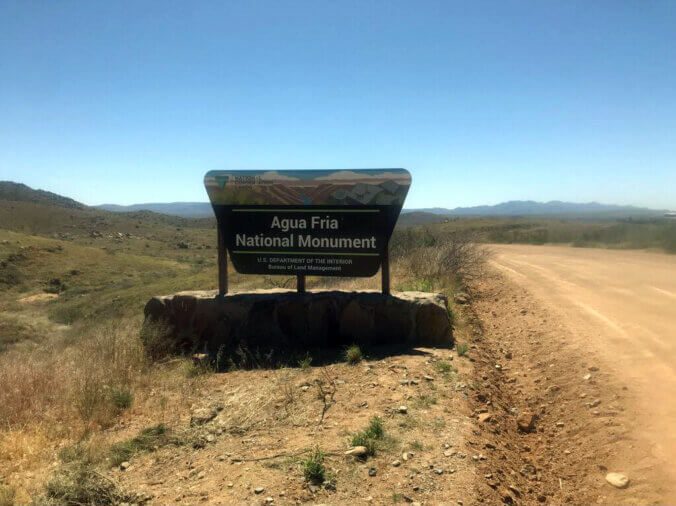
<point>19,192</point>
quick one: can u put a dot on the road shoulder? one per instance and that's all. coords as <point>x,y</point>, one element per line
<point>527,362</point>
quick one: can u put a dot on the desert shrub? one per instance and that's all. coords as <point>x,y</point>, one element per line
<point>147,440</point>
<point>622,233</point>
<point>195,369</point>
<point>154,336</point>
<point>305,362</point>
<point>462,349</point>
<point>67,313</point>
<point>375,428</point>
<point>122,398</point>
<point>111,359</point>
<point>89,393</point>
<point>353,354</point>
<point>83,376</point>
<point>313,467</point>
<point>425,401</point>
<point>79,485</point>
<point>10,275</point>
<point>370,437</point>
<point>417,445</point>
<point>73,453</point>
<point>445,368</point>
<point>417,285</point>
<point>405,241</point>
<point>14,329</point>
<point>462,256</point>
<point>433,259</point>
<point>34,386</point>
<point>89,451</point>
<point>668,238</point>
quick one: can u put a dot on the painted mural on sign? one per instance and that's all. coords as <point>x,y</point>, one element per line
<point>309,187</point>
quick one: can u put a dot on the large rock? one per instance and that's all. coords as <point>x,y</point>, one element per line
<point>201,321</point>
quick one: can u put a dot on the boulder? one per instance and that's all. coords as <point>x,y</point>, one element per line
<point>201,321</point>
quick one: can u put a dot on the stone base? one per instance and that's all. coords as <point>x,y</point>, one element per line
<point>202,322</point>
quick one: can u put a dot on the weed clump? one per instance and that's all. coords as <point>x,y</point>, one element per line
<point>122,398</point>
<point>353,355</point>
<point>371,436</point>
<point>79,485</point>
<point>462,349</point>
<point>417,445</point>
<point>305,362</point>
<point>425,401</point>
<point>313,467</point>
<point>195,369</point>
<point>445,368</point>
<point>148,440</point>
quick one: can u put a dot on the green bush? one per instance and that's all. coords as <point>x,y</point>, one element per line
<point>9,275</point>
<point>375,429</point>
<point>353,355</point>
<point>313,467</point>
<point>370,436</point>
<point>122,398</point>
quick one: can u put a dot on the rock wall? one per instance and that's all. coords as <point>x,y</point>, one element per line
<point>202,322</point>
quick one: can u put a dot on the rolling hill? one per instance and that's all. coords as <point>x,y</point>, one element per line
<point>19,192</point>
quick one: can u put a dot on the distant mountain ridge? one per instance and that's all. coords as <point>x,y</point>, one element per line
<point>182,209</point>
<point>511,208</point>
<point>19,192</point>
<point>553,207</point>
<point>11,191</point>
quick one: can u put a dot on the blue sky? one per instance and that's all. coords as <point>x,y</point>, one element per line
<point>133,101</point>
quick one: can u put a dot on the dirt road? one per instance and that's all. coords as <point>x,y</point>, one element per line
<point>616,309</point>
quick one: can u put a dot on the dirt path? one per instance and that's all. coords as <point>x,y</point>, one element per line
<point>611,310</point>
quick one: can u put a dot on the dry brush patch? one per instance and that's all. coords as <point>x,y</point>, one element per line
<point>64,390</point>
<point>77,384</point>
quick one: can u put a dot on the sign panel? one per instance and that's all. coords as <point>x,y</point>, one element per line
<point>320,223</point>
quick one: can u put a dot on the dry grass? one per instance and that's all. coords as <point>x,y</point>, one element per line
<point>62,385</point>
<point>66,380</point>
<point>67,388</point>
<point>265,403</point>
<point>7,495</point>
<point>79,484</point>
<point>437,261</point>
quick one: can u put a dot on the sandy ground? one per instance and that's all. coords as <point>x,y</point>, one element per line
<point>269,419</point>
<point>616,309</point>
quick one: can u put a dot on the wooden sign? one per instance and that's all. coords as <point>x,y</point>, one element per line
<point>315,222</point>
